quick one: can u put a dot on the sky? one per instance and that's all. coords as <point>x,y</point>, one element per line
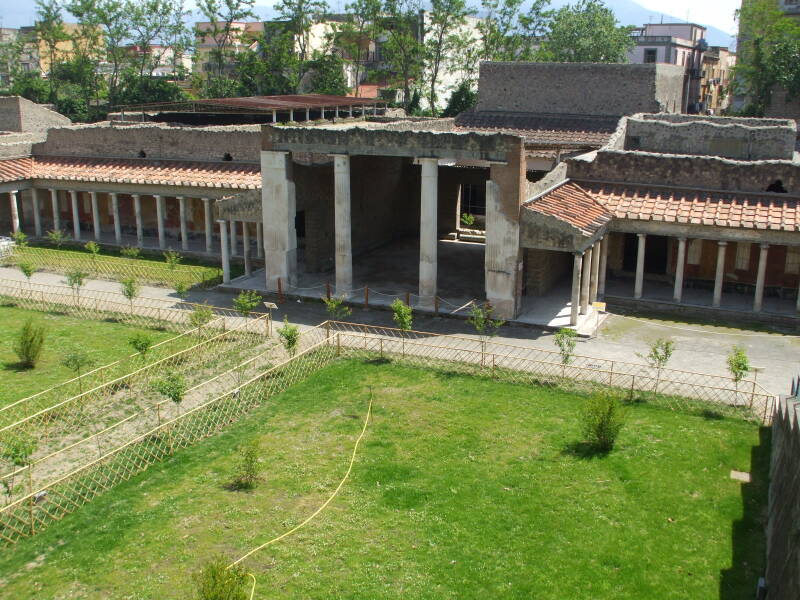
<point>718,13</point>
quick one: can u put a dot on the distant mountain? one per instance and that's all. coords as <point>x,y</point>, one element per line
<point>17,14</point>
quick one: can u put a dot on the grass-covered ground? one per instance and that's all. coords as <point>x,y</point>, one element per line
<point>104,342</point>
<point>463,488</point>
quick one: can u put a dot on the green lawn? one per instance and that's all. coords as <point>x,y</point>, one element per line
<point>105,342</point>
<point>463,488</point>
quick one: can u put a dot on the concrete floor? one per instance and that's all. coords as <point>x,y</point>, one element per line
<point>554,309</point>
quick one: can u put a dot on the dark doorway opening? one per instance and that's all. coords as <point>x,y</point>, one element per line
<point>655,255</point>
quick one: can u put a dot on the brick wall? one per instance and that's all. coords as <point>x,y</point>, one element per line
<point>545,268</point>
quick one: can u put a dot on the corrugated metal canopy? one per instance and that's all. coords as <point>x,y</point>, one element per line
<point>254,104</point>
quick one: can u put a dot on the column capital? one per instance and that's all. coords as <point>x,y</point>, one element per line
<point>722,243</point>
<point>112,194</point>
<point>641,236</point>
<point>181,197</point>
<point>136,196</point>
<point>682,238</point>
<point>205,200</point>
<point>764,246</point>
<point>221,221</point>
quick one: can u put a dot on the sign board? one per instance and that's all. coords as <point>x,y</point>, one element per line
<point>601,306</point>
<point>270,305</point>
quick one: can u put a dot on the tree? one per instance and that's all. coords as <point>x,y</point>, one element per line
<point>586,31</point>
<point>337,309</point>
<point>290,336</point>
<point>51,33</point>
<point>222,14</point>
<point>506,33</point>
<point>462,99</point>
<point>173,387</point>
<point>27,269</point>
<point>75,279</point>
<point>299,17</point>
<point>130,289</point>
<point>30,343</point>
<point>141,342</point>
<point>442,33</point>
<point>56,237</point>
<point>246,302</point>
<point>114,20</point>
<point>402,314</point>
<point>201,315</point>
<point>738,364</point>
<point>403,51</point>
<point>359,30</point>
<point>76,361</point>
<point>480,317</point>
<point>566,339</point>
<point>327,75</point>
<point>660,352</point>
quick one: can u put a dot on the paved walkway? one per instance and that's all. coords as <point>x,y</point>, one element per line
<point>699,348</point>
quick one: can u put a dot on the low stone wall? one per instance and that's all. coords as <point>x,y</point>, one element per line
<point>783,521</point>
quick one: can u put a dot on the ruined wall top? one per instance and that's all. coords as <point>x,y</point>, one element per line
<point>580,88</point>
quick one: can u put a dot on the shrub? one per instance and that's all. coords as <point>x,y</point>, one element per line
<point>480,317</point>
<point>402,314</point>
<point>290,336</point>
<point>565,339</point>
<point>660,352</point>
<point>201,315</point>
<point>20,238</point>
<point>603,419</point>
<point>130,252</point>
<point>248,468</point>
<point>141,342</point>
<point>130,288</point>
<point>75,279</point>
<point>76,361</point>
<point>738,364</point>
<point>172,386</point>
<point>246,302</point>
<point>29,344</point>
<point>18,447</point>
<point>172,258</point>
<point>27,269</point>
<point>93,248</point>
<point>56,237</point>
<point>181,289</point>
<point>467,220</point>
<point>216,581</point>
<point>336,308</point>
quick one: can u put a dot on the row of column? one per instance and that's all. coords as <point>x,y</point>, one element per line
<point>137,208</point>
<point>719,276</point>
<point>228,231</point>
<point>588,278</point>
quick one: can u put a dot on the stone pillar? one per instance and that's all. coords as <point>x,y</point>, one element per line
<point>12,200</point>
<point>758,302</point>
<point>278,209</point>
<point>259,240</point>
<point>274,116</point>
<point>575,302</point>
<point>160,214</point>
<point>184,228</point>
<point>56,211</point>
<point>594,283</point>
<point>308,114</point>
<point>115,214</point>
<point>226,261</point>
<point>209,226</point>
<point>428,231</point>
<point>76,224</point>
<point>234,242</point>
<point>601,284</point>
<point>95,216</point>
<point>586,278</point>
<point>680,267</point>
<point>639,285</point>
<point>248,267</point>
<point>342,227</point>
<point>718,279</point>
<point>137,210</point>
<point>37,217</point>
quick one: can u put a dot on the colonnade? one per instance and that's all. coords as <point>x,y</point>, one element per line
<point>588,278</point>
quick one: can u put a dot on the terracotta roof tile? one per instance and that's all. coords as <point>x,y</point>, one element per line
<point>566,130</point>
<point>726,209</point>
<point>140,171</point>
<point>15,169</point>
<point>569,203</point>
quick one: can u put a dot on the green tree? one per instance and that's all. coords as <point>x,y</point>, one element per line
<point>462,99</point>
<point>337,309</point>
<point>222,14</point>
<point>442,35</point>
<point>565,339</point>
<point>75,279</point>
<point>360,29</point>
<point>507,34</point>
<point>173,387</point>
<point>246,302</point>
<point>30,343</point>
<point>586,31</point>
<point>56,237</point>
<point>201,315</point>
<point>738,364</point>
<point>130,288</point>
<point>403,51</point>
<point>480,317</point>
<point>50,31</point>
<point>290,336</point>
<point>327,75</point>
<point>76,361</point>
<point>402,314</point>
<point>141,342</point>
<point>299,17</point>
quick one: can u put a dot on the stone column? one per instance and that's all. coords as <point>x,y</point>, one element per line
<point>137,210</point>
<point>639,285</point>
<point>76,224</point>
<point>308,114</point>
<point>115,214</point>
<point>278,209</point>
<point>12,200</point>
<point>594,283</point>
<point>575,302</point>
<point>718,279</point>
<point>428,231</point>
<point>234,241</point>
<point>680,267</point>
<point>95,216</point>
<point>248,267</point>
<point>160,214</point>
<point>342,227</point>
<point>56,211</point>
<point>601,284</point>
<point>209,227</point>
<point>226,261</point>
<point>758,302</point>
<point>37,217</point>
<point>586,278</point>
<point>259,240</point>
<point>184,228</point>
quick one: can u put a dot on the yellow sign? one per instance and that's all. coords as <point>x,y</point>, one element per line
<point>601,306</point>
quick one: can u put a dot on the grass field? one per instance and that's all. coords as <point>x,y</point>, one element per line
<point>104,342</point>
<point>109,264</point>
<point>463,488</point>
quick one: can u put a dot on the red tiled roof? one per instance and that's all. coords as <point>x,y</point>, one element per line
<point>672,205</point>
<point>15,169</point>
<point>154,172</point>
<point>569,203</point>
<point>562,130</point>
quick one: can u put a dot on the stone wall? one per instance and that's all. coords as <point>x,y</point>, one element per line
<point>692,172</point>
<point>21,115</point>
<point>717,137</point>
<point>782,106</point>
<point>580,88</point>
<point>545,268</point>
<point>241,142</point>
<point>783,543</point>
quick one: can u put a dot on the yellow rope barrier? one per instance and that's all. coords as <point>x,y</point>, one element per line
<point>320,509</point>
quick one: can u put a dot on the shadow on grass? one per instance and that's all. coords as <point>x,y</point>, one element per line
<point>17,367</point>
<point>712,415</point>
<point>584,450</point>
<point>377,361</point>
<point>748,536</point>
